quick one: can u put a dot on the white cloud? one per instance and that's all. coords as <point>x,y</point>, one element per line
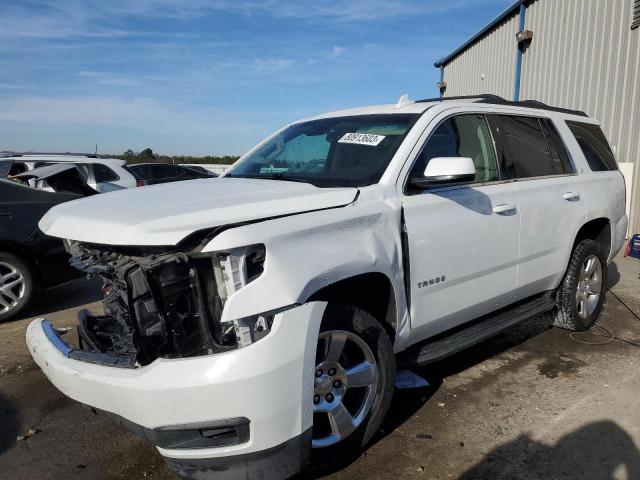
<point>105,78</point>
<point>98,18</point>
<point>353,10</point>
<point>145,113</point>
<point>336,52</point>
<point>272,65</point>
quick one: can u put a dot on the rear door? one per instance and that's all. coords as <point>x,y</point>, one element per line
<point>549,197</point>
<point>462,239</point>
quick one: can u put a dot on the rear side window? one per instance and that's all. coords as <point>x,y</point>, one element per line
<point>102,173</point>
<point>139,171</point>
<point>5,167</point>
<point>594,145</point>
<point>559,155</point>
<point>462,136</point>
<point>526,152</point>
<point>164,171</point>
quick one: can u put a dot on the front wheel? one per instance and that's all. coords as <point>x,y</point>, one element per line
<point>354,379</point>
<point>16,285</point>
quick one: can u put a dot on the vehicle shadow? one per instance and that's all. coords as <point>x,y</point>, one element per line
<point>406,403</point>
<point>68,295</point>
<point>613,275</point>
<point>9,423</point>
<point>599,450</point>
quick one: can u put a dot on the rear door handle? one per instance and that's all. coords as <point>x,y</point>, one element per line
<point>5,215</point>
<point>504,208</point>
<point>571,196</point>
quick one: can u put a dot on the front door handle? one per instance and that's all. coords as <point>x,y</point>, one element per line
<point>504,208</point>
<point>571,196</point>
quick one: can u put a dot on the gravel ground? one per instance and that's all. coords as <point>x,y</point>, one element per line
<point>532,403</point>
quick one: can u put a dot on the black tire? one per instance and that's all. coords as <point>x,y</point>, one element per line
<point>8,259</point>
<point>566,315</point>
<point>367,328</point>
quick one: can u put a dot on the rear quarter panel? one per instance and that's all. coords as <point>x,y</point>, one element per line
<point>603,192</point>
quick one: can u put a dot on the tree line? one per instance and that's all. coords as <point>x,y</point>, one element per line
<point>148,155</point>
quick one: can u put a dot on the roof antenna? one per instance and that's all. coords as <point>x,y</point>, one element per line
<point>403,101</point>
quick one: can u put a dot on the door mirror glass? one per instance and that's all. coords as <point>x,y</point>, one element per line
<point>446,170</point>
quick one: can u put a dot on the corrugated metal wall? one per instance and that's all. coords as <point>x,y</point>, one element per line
<point>584,56</point>
<point>494,56</point>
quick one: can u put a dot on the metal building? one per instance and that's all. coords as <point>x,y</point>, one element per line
<point>578,54</point>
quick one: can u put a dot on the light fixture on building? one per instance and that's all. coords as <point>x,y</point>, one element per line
<point>442,86</point>
<point>524,36</point>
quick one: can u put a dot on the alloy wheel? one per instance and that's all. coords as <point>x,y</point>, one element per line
<point>589,287</point>
<point>12,287</point>
<point>345,386</point>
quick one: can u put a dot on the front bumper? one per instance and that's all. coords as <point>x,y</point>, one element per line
<point>269,383</point>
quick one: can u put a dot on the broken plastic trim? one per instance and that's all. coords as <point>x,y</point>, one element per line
<point>90,357</point>
<point>250,329</point>
<point>220,433</point>
<point>239,267</point>
<point>166,304</point>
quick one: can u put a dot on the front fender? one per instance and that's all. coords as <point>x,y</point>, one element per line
<point>308,252</point>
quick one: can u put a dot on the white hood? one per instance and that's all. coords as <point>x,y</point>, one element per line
<point>165,214</point>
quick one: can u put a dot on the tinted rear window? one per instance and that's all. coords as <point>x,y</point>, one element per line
<point>102,173</point>
<point>526,149</point>
<point>5,166</point>
<point>594,145</point>
<point>163,171</point>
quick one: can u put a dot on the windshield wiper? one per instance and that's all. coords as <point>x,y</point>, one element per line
<point>274,176</point>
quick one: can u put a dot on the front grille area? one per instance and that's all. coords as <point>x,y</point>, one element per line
<point>155,305</point>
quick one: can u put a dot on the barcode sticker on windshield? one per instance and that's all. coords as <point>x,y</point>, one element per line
<point>362,139</point>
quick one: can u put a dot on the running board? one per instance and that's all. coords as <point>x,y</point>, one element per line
<point>448,343</point>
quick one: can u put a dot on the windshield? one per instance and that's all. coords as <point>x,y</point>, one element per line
<point>331,152</point>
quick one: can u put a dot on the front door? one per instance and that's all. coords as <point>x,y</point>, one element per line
<point>462,239</point>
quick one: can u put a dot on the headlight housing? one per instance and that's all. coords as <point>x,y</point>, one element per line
<point>237,268</point>
<point>234,270</point>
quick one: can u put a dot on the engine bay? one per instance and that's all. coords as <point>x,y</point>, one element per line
<point>164,304</point>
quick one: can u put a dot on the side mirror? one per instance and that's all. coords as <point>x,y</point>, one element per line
<point>446,170</point>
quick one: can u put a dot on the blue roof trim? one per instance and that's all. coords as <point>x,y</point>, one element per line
<point>513,8</point>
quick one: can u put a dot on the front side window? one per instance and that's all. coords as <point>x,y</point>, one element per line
<point>461,136</point>
<point>332,152</point>
<point>526,150</point>
<point>594,145</point>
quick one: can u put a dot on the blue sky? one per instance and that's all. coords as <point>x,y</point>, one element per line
<point>210,77</point>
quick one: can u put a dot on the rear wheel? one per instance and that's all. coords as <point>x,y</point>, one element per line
<point>580,296</point>
<point>16,285</point>
<point>354,378</point>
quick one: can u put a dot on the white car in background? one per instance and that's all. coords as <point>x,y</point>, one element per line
<point>101,174</point>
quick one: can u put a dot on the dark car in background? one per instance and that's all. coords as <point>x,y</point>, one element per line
<point>29,259</point>
<point>154,173</point>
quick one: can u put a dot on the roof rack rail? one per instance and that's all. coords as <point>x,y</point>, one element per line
<point>497,100</point>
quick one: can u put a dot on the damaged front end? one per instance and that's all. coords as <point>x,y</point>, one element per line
<point>160,303</point>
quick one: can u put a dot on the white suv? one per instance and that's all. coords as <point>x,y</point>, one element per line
<point>254,323</point>
<point>101,174</point>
